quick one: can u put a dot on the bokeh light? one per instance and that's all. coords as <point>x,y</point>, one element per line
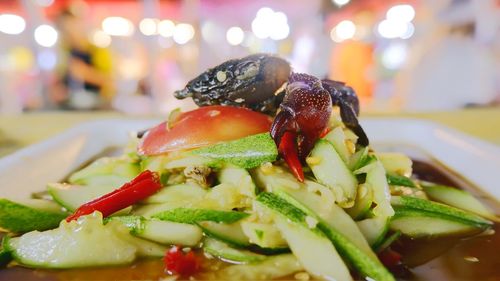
<point>166,28</point>
<point>46,35</point>
<point>401,13</point>
<point>149,26</point>
<point>183,33</point>
<point>12,24</point>
<point>343,30</point>
<point>117,26</point>
<point>270,24</point>
<point>100,39</point>
<point>235,35</point>
<point>394,56</point>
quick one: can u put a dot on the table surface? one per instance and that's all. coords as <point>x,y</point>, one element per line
<point>18,131</point>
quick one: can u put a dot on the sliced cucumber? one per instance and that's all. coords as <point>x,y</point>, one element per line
<point>21,217</point>
<point>314,251</point>
<point>438,210</point>
<point>359,159</point>
<point>192,160</point>
<point>271,268</point>
<point>163,232</point>
<point>459,199</point>
<point>225,252</point>
<point>180,193</point>
<point>154,163</point>
<point>374,229</point>
<point>395,179</point>
<point>395,163</point>
<point>226,196</point>
<point>367,265</point>
<point>106,171</point>
<point>337,138</point>
<point>265,235</point>
<point>80,244</point>
<point>248,152</point>
<point>364,200</point>
<point>238,177</point>
<point>150,210</point>
<point>73,196</point>
<point>377,182</point>
<point>333,172</point>
<point>228,233</point>
<point>5,255</point>
<point>185,215</point>
<point>416,224</point>
<point>384,244</point>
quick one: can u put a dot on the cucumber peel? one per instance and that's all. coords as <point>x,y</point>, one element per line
<point>394,179</point>
<point>186,215</point>
<point>229,233</point>
<point>20,218</point>
<point>227,253</point>
<point>248,152</point>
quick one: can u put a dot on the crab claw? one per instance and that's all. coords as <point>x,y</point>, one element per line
<point>304,116</point>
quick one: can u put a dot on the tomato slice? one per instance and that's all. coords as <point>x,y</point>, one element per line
<point>203,126</point>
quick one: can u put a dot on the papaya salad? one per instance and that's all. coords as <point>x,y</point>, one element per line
<point>271,177</point>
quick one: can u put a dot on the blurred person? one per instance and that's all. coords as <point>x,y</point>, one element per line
<point>84,80</point>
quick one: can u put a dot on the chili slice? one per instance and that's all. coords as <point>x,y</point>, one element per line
<point>144,185</point>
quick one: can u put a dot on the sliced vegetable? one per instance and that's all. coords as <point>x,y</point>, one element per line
<point>238,177</point>
<point>330,170</point>
<point>228,233</point>
<point>185,215</point>
<point>193,160</point>
<point>178,261</point>
<point>248,152</point>
<point>459,199</point>
<point>366,265</point>
<point>213,124</point>
<point>180,193</point>
<point>414,205</point>
<point>163,232</point>
<point>225,252</point>
<point>387,241</point>
<point>106,171</point>
<point>395,163</point>
<point>270,268</point>
<point>72,196</point>
<point>80,244</point>
<point>338,139</point>
<point>418,223</point>
<point>374,229</point>
<point>363,202</point>
<point>376,181</point>
<point>143,186</point>
<point>35,214</point>
<point>395,179</point>
<point>265,235</point>
<point>341,230</point>
<point>5,255</point>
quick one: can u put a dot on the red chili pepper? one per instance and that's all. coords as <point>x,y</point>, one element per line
<point>389,258</point>
<point>144,185</point>
<point>288,150</point>
<point>179,262</point>
<point>325,132</point>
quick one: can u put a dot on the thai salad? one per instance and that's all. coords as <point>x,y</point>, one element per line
<point>271,177</point>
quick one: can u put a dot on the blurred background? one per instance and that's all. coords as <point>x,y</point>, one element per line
<point>129,56</point>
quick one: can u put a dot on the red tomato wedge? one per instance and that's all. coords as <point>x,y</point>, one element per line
<point>203,126</point>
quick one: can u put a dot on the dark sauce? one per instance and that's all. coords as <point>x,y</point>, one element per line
<point>449,258</point>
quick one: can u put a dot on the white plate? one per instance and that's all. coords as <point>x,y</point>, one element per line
<point>30,169</point>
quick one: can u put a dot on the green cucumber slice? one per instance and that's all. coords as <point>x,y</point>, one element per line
<point>225,252</point>
<point>417,224</point>
<point>395,179</point>
<point>314,251</point>
<point>265,235</point>
<point>238,177</point>
<point>163,232</point>
<point>395,163</point>
<point>248,152</point>
<point>192,160</point>
<point>108,171</point>
<point>333,172</point>
<point>459,199</point>
<point>228,233</point>
<point>434,209</point>
<point>376,181</point>
<point>185,215</point>
<point>180,193</point>
<point>365,264</point>
<point>271,268</point>
<point>73,196</point>
<point>363,202</point>
<point>35,214</point>
<point>5,255</point>
<point>337,138</point>
<point>374,229</point>
<point>80,244</point>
